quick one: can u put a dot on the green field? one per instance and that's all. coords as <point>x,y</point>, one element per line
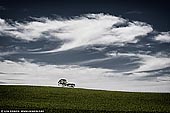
<point>52,100</point>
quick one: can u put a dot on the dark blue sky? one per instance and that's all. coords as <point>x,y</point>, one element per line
<point>154,12</point>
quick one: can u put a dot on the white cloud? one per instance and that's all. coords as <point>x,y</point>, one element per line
<point>6,53</point>
<point>147,63</point>
<point>79,31</point>
<point>26,73</point>
<point>153,63</point>
<point>163,37</point>
<point>36,74</point>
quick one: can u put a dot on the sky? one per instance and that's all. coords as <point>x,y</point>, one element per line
<point>120,45</point>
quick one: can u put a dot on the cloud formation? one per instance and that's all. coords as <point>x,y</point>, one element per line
<point>28,73</point>
<point>147,63</point>
<point>37,74</point>
<point>163,37</point>
<point>79,31</point>
<point>153,63</point>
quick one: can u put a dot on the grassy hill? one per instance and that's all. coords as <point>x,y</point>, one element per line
<point>52,100</point>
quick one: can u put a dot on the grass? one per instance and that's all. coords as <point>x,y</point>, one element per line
<point>52,100</point>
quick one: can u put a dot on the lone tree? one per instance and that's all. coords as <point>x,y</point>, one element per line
<point>62,82</point>
<point>72,85</point>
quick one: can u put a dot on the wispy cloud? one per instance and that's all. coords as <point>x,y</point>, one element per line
<point>6,53</point>
<point>163,37</point>
<point>78,31</point>
<point>147,63</point>
<point>36,74</point>
<point>153,63</point>
<point>84,77</point>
